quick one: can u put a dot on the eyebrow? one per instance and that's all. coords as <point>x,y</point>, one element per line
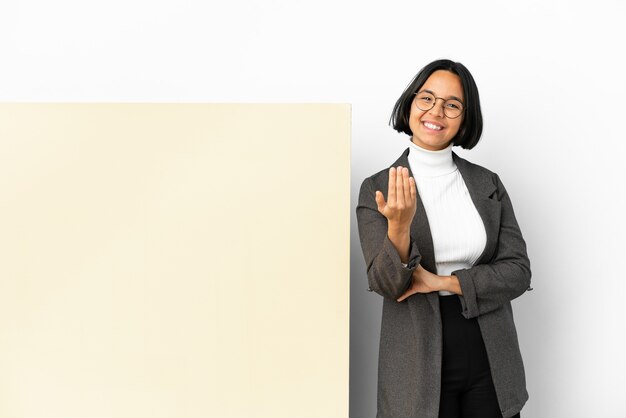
<point>433,93</point>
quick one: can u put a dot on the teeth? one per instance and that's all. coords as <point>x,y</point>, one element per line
<point>432,126</point>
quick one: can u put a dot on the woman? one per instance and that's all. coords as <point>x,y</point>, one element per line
<point>443,247</point>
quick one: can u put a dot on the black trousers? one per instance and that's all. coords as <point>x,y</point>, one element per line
<point>467,389</point>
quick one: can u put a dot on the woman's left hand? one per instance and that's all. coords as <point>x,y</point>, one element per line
<point>423,281</point>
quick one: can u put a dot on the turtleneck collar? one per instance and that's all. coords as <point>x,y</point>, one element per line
<point>426,163</point>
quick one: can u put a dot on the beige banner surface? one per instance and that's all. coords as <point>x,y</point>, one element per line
<point>174,260</point>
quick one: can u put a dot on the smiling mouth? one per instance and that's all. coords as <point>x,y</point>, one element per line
<point>432,126</point>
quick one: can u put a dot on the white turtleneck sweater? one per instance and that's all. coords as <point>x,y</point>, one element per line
<point>458,232</point>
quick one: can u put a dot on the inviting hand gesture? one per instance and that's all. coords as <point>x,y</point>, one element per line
<point>399,208</point>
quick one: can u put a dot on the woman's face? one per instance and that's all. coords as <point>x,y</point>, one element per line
<point>431,129</point>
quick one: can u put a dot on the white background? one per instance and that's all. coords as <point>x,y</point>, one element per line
<point>552,82</point>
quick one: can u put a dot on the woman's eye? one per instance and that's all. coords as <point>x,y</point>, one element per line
<point>455,106</point>
<point>426,99</point>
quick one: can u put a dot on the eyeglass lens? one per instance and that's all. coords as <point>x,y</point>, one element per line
<point>452,108</point>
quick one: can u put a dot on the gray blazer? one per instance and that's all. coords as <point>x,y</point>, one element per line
<point>409,364</point>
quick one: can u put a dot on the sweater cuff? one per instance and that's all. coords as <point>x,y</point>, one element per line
<point>468,298</point>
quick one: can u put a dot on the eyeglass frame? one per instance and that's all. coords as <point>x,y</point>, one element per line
<point>435,102</point>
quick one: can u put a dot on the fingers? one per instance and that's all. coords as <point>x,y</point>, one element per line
<point>412,189</point>
<point>406,187</point>
<point>410,291</point>
<point>380,201</point>
<point>406,294</point>
<point>417,285</point>
<point>401,193</point>
<point>400,187</point>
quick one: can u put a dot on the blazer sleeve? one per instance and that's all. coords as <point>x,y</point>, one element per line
<point>386,274</point>
<point>486,287</point>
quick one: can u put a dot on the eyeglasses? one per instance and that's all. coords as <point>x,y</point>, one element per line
<point>452,108</point>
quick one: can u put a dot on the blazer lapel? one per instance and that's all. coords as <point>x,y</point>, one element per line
<point>481,189</point>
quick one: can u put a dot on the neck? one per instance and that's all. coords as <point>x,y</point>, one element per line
<point>427,163</point>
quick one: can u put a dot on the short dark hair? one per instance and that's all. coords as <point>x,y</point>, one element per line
<point>472,125</point>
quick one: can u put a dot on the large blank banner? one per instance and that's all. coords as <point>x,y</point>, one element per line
<point>174,260</point>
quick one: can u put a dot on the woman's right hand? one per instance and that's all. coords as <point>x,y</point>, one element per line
<point>399,208</point>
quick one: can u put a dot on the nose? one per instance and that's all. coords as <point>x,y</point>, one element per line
<point>437,109</point>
